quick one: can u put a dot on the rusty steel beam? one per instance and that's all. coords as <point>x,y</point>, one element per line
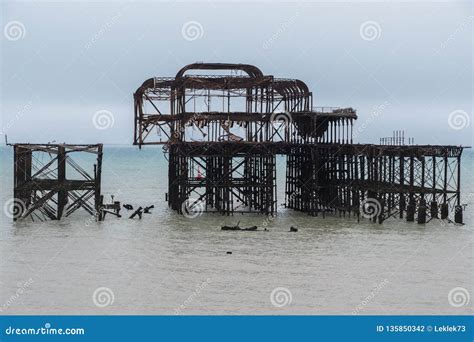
<point>43,189</point>
<point>223,128</point>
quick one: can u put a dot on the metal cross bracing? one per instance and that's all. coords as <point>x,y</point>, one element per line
<point>50,184</point>
<point>224,177</point>
<point>223,124</point>
<point>412,182</point>
<point>228,107</point>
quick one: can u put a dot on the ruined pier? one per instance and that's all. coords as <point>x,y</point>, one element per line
<point>50,184</point>
<point>222,126</point>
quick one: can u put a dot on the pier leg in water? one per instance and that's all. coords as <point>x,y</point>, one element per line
<point>138,212</point>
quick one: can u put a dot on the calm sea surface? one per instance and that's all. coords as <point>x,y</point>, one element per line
<point>169,264</point>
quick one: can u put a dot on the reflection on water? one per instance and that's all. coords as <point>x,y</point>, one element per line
<point>169,264</point>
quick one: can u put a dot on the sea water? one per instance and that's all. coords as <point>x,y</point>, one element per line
<point>169,264</point>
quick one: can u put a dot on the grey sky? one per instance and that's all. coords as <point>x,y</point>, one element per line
<point>77,58</point>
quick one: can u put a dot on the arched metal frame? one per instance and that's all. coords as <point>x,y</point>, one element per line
<point>231,166</point>
<point>269,101</point>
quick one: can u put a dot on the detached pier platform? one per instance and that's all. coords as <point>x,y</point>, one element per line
<point>43,189</point>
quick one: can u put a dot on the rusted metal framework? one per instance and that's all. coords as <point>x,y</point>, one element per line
<point>223,124</point>
<point>236,107</point>
<point>416,182</point>
<point>50,184</point>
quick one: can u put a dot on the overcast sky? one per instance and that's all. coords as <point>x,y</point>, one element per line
<point>402,65</point>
